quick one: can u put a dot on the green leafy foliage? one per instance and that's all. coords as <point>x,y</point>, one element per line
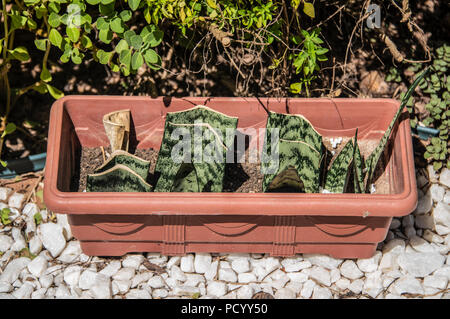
<point>435,87</point>
<point>306,62</point>
<point>4,216</point>
<point>37,218</point>
<point>372,161</point>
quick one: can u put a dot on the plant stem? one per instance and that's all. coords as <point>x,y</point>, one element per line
<point>5,76</point>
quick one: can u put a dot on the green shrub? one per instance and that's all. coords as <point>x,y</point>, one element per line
<point>436,87</point>
<point>125,36</point>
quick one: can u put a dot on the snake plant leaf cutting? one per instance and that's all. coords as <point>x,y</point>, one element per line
<point>372,161</point>
<point>119,178</point>
<point>136,164</point>
<point>204,133</point>
<point>358,169</point>
<point>296,150</point>
<point>342,168</point>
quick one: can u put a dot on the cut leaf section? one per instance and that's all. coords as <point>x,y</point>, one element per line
<point>193,150</point>
<point>341,169</point>
<point>291,145</point>
<point>119,178</point>
<point>138,165</point>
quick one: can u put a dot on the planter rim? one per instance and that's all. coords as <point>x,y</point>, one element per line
<point>275,204</point>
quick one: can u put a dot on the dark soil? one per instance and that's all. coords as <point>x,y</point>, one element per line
<point>239,177</point>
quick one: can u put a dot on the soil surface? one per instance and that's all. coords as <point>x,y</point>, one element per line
<point>239,177</point>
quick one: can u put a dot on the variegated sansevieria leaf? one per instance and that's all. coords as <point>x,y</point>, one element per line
<point>342,167</point>
<point>374,157</point>
<point>197,136</point>
<point>358,169</point>
<point>118,178</point>
<point>138,165</point>
<point>292,154</point>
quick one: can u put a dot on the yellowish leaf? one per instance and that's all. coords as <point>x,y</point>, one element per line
<point>308,9</point>
<point>212,4</point>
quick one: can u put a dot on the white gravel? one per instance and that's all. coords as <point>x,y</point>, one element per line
<point>413,262</point>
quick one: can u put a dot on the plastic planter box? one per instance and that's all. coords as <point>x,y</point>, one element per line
<point>281,224</point>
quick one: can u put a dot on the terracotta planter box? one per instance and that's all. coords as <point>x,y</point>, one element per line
<point>281,224</point>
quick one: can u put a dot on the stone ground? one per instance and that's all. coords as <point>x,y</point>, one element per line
<point>45,261</point>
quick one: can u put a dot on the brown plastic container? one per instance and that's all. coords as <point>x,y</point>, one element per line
<point>281,224</point>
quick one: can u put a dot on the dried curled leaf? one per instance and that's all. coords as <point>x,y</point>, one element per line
<point>117,127</point>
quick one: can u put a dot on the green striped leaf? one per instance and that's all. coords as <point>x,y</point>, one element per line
<point>295,160</point>
<point>205,130</point>
<point>374,157</point>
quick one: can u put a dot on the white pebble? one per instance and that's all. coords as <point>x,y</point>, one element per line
<point>160,293</point>
<point>284,293</point>
<point>323,260</point>
<point>16,200</point>
<point>246,277</point>
<point>101,289</point>
<point>124,274</point>
<point>46,280</point>
<point>38,266</point>
<point>187,263</point>
<point>307,289</point>
<point>216,289</point>
<point>350,270</point>
<point>133,261</point>
<point>356,286</point>
<point>240,265</point>
<point>111,269</point>
<point>24,292</point>
<point>435,281</point>
<point>342,283</point>
<point>202,262</point>
<point>62,220</point>
<point>420,264</point>
<point>5,287</point>
<point>4,193</point>
<point>408,284</point>
<point>444,178</point>
<point>211,272</point>
<point>140,278</point>
<point>271,263</point>
<point>138,294</point>
<point>297,276</point>
<point>295,264</point>
<point>62,292</point>
<point>227,274</point>
<point>321,275</point>
<point>194,280</point>
<point>373,284</point>
<point>173,261</point>
<point>177,274</point>
<point>71,253</point>
<point>13,269</point>
<point>52,238</point>
<point>321,293</point>
<point>121,286</point>
<point>245,292</point>
<point>370,264</point>
<point>156,282</point>
<point>5,243</point>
